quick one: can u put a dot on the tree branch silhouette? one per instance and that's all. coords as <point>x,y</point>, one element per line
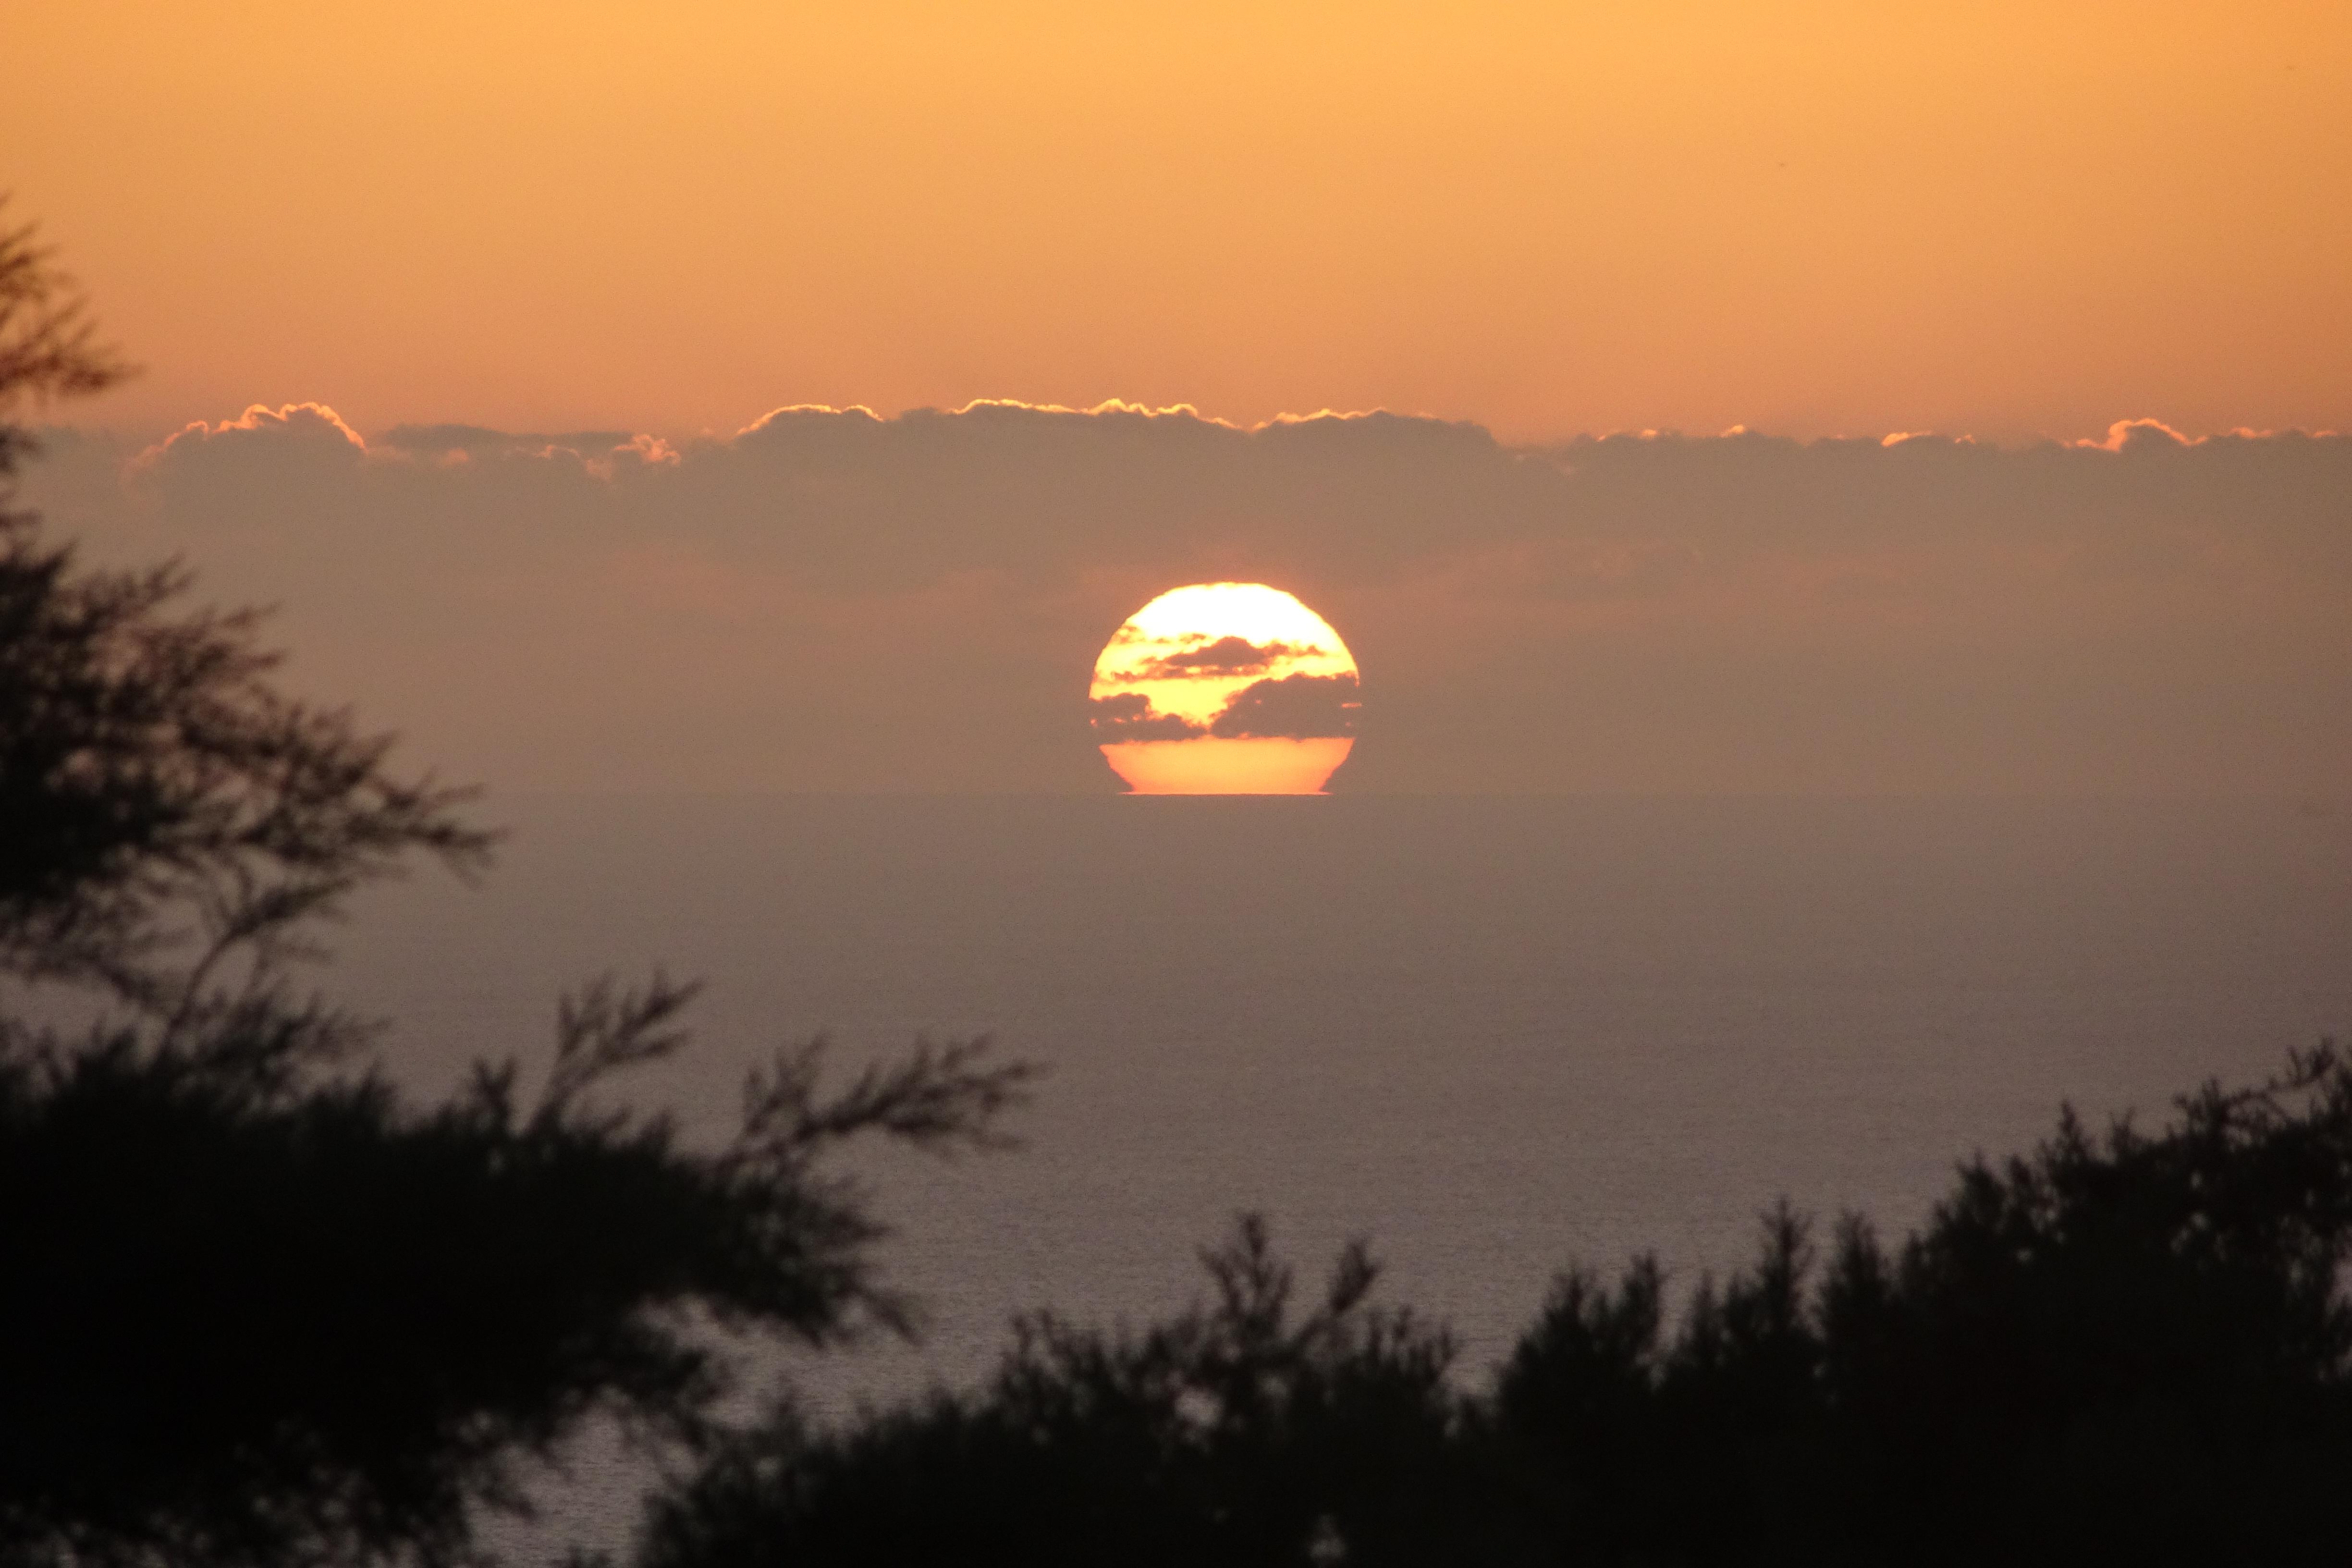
<point>256,1307</point>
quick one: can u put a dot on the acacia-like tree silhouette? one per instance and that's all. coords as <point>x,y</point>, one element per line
<point>255,1307</point>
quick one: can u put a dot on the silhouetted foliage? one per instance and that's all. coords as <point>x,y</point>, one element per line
<point>1237,1433</point>
<point>2135,1348</point>
<point>48,346</point>
<point>254,1307</point>
<point>2127,1348</point>
<point>249,1320</point>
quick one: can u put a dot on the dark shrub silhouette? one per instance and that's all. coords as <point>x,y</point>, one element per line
<point>255,1308</point>
<point>248,1321</point>
<point>2128,1349</point>
<point>1235,1432</point>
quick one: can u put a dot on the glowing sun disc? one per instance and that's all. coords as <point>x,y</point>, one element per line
<point>1225,688</point>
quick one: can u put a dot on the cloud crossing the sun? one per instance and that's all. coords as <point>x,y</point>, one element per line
<point>1125,716</point>
<point>1292,707</point>
<point>1221,656</point>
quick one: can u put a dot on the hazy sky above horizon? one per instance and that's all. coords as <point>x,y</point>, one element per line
<point>2004,219</point>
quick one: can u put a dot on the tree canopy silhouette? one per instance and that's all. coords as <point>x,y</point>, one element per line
<point>2129,1347</point>
<point>1241,1431</point>
<point>2135,1348</point>
<point>256,1307</point>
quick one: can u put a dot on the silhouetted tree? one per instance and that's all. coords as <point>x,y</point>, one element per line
<point>1233,1434</point>
<point>2132,1348</point>
<point>48,346</point>
<point>2128,1349</point>
<point>169,811</point>
<point>254,1307</point>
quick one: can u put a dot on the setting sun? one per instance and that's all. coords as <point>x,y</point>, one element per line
<point>1225,688</point>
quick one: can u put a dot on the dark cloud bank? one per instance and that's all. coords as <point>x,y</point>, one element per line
<point>831,601</point>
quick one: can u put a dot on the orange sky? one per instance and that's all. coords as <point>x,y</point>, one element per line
<point>2007,219</point>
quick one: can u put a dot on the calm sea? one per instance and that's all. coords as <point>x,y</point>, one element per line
<point>1491,1034</point>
